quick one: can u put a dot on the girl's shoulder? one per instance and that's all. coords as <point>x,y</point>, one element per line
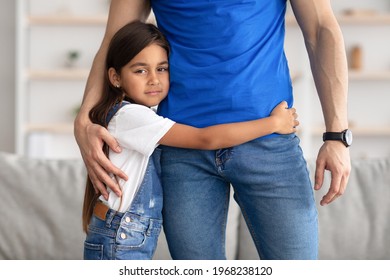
<point>132,117</point>
<point>132,107</point>
<point>126,108</point>
<point>137,114</point>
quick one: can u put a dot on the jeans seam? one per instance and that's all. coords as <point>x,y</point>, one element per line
<point>249,225</point>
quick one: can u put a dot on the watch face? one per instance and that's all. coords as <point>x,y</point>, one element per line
<point>348,137</point>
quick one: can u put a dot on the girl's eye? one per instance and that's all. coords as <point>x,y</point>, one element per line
<point>140,71</point>
<point>162,69</point>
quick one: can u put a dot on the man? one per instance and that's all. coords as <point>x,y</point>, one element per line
<point>227,65</point>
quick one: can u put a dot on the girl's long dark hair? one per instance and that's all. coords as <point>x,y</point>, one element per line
<point>124,46</point>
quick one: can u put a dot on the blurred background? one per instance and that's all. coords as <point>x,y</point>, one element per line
<point>46,51</point>
<point>47,48</point>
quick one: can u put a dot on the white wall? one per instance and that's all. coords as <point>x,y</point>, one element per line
<point>7,75</point>
<point>376,57</point>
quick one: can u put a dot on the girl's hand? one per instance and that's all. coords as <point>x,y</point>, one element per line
<point>286,119</point>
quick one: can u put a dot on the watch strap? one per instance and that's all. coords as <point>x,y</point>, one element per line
<point>332,136</point>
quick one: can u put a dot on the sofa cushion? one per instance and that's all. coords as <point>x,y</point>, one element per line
<point>40,208</point>
<point>356,225</point>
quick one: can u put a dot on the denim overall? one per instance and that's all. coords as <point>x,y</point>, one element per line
<point>131,235</point>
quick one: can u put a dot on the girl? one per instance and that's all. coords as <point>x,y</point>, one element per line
<point>137,79</point>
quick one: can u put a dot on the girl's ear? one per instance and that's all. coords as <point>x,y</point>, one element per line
<point>114,77</point>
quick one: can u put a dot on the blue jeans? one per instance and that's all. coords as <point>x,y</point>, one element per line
<point>271,185</point>
<point>131,235</point>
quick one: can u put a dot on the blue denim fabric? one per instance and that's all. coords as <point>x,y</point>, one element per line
<point>131,235</point>
<point>271,185</point>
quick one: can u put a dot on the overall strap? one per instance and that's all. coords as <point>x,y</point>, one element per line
<point>115,109</point>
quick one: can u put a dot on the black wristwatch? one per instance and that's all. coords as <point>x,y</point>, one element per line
<point>344,136</point>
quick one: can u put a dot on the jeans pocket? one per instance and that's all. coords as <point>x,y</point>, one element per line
<point>129,238</point>
<point>93,251</point>
<point>137,246</point>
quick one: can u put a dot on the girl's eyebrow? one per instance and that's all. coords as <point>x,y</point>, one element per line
<point>142,64</point>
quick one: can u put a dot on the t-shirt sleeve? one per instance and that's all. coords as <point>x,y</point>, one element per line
<point>139,128</point>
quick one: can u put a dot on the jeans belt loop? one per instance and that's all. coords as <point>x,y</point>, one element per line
<point>150,227</point>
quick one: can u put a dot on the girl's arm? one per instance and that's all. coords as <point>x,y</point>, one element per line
<point>281,120</point>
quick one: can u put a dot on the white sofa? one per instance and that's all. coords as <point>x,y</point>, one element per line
<point>41,203</point>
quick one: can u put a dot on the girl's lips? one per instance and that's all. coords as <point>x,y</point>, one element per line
<point>154,92</point>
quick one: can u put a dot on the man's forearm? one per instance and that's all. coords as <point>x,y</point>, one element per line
<point>325,46</point>
<point>330,73</point>
<point>93,89</point>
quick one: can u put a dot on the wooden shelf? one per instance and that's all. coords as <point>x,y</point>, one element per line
<point>58,128</point>
<point>67,20</point>
<point>59,74</point>
<point>360,130</point>
<point>372,131</point>
<point>352,19</point>
<point>369,76</point>
<point>364,19</point>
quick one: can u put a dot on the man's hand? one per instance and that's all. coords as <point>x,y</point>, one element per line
<point>90,141</point>
<point>333,156</point>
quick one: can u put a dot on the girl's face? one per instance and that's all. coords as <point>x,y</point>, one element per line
<point>145,79</point>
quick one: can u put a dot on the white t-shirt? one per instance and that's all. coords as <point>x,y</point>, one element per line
<point>137,129</point>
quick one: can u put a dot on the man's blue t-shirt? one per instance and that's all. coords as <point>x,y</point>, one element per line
<point>227,60</point>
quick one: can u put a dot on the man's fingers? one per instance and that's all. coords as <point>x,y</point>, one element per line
<point>338,185</point>
<point>319,175</point>
<point>102,159</point>
<point>97,185</point>
<point>107,165</point>
<point>341,187</point>
<point>333,156</point>
<point>334,190</point>
<point>109,182</point>
<point>110,140</point>
<point>99,167</point>
<point>102,166</point>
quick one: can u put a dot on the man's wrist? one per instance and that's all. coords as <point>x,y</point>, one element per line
<point>80,122</point>
<point>344,137</point>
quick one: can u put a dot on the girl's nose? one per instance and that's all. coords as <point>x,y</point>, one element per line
<point>153,79</point>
